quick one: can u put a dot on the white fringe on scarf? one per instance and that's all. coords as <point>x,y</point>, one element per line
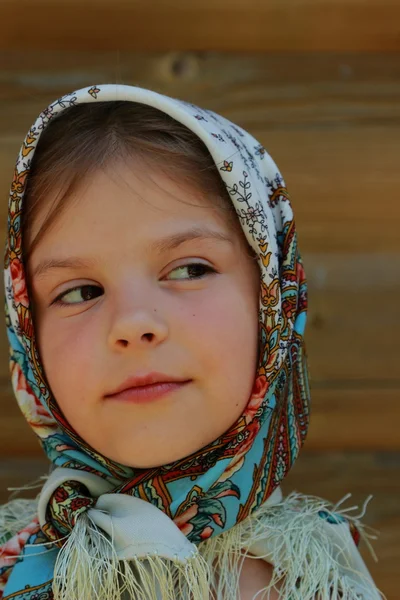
<point>299,547</point>
<point>14,516</point>
<point>17,513</point>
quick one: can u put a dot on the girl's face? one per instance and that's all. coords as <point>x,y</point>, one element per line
<point>154,290</point>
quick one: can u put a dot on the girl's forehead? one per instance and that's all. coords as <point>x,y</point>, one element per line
<point>129,187</point>
<point>133,206</point>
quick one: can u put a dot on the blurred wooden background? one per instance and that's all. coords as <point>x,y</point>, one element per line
<point>318,83</point>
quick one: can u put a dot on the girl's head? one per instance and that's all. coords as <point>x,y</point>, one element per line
<point>147,235</point>
<point>136,263</point>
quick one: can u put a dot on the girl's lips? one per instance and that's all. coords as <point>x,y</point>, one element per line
<point>148,393</point>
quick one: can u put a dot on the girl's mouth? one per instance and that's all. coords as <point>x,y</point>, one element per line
<point>148,393</point>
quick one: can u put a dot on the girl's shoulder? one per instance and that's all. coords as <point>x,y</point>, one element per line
<point>256,575</point>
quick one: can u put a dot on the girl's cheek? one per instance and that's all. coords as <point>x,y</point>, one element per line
<point>206,316</point>
<point>223,310</point>
<point>66,342</point>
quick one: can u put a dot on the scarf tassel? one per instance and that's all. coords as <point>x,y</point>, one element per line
<point>312,558</point>
<point>88,567</point>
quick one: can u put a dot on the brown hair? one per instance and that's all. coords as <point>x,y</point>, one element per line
<point>88,137</point>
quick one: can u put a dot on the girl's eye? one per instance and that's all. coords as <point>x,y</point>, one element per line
<point>195,270</point>
<point>84,293</point>
<point>78,294</point>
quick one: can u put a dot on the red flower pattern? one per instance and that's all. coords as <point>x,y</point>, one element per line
<point>19,284</point>
<point>60,495</point>
<point>10,550</point>
<point>183,521</point>
<point>206,533</point>
<point>79,502</point>
<point>34,412</point>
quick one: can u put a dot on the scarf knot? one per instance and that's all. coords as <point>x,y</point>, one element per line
<point>67,502</point>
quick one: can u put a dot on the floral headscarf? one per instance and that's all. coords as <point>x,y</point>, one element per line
<point>220,486</point>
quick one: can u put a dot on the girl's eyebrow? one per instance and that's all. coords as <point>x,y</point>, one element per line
<point>173,241</point>
<point>160,246</point>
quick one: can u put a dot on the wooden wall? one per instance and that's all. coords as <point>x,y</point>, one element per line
<point>219,25</point>
<point>318,83</point>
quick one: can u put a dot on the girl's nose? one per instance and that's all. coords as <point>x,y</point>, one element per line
<point>133,327</point>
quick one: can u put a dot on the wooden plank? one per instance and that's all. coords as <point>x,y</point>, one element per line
<point>17,472</point>
<point>341,419</point>
<point>278,91</point>
<point>350,419</point>
<point>329,475</point>
<point>243,25</point>
<point>350,337</point>
<point>332,73</point>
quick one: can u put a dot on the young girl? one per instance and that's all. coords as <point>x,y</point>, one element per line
<point>156,305</point>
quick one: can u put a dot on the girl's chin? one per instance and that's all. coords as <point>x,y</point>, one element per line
<point>154,458</point>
